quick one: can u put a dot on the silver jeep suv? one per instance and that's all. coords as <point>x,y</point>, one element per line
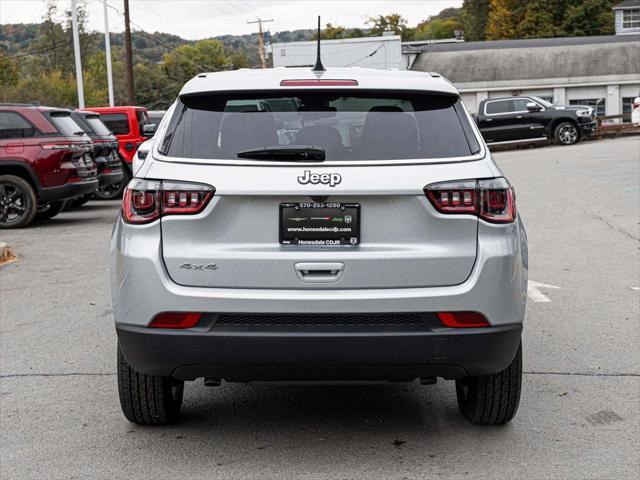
<point>291,225</point>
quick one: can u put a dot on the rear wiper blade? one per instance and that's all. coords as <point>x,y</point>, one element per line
<point>286,153</point>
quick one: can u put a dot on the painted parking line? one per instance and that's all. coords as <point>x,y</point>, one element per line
<point>534,293</point>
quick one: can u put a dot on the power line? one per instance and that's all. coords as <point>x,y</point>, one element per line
<point>38,51</point>
<point>218,7</point>
<point>366,56</point>
<point>235,5</point>
<point>153,39</point>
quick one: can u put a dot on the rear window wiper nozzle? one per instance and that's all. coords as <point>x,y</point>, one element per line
<point>286,153</point>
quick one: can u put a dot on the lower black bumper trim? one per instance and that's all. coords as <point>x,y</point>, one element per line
<point>68,190</point>
<point>110,178</point>
<point>319,355</point>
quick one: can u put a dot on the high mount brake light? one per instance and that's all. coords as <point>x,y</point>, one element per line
<point>319,82</point>
<point>147,200</point>
<point>493,200</point>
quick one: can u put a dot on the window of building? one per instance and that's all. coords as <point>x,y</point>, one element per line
<point>631,18</point>
<point>627,108</point>
<point>599,104</point>
<point>14,125</point>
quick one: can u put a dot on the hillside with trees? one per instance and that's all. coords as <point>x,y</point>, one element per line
<point>36,60</point>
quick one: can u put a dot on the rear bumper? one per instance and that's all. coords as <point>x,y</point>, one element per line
<point>110,178</point>
<point>313,354</point>
<point>587,129</point>
<point>68,190</point>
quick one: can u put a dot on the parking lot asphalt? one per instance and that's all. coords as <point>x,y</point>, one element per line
<point>580,411</point>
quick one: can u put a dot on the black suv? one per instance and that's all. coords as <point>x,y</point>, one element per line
<point>105,153</point>
<point>532,118</point>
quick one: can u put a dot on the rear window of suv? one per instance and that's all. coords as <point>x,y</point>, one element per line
<point>118,123</point>
<point>64,123</point>
<point>97,126</point>
<point>366,125</point>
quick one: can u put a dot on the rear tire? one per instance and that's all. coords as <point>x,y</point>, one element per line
<point>566,133</point>
<point>79,201</point>
<point>18,202</point>
<point>147,399</point>
<point>491,399</point>
<point>52,210</point>
<point>113,191</point>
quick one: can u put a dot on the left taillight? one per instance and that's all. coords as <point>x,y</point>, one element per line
<point>493,200</point>
<point>145,201</point>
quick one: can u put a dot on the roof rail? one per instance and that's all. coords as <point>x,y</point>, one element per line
<point>10,104</point>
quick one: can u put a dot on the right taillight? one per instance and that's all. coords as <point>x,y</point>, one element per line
<point>492,200</point>
<point>497,200</point>
<point>145,201</point>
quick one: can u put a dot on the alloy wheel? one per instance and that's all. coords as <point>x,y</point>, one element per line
<point>568,134</point>
<point>13,204</point>
<point>109,192</point>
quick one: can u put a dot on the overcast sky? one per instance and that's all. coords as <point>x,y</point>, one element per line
<point>194,19</point>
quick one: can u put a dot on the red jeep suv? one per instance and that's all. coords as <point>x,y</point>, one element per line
<point>132,127</point>
<point>45,159</point>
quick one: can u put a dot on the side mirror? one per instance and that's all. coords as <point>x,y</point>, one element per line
<point>533,107</point>
<point>149,130</point>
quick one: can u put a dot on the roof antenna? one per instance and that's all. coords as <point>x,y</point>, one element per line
<point>318,66</point>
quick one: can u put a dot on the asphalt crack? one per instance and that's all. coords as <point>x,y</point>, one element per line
<point>615,228</point>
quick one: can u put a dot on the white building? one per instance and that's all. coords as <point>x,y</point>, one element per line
<point>383,52</point>
<point>602,71</point>
<point>627,17</point>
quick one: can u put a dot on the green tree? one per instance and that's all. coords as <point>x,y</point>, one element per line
<point>52,44</point>
<point>330,32</point>
<point>504,18</point>
<point>475,14</point>
<point>538,20</point>
<point>393,22</point>
<point>588,17</point>
<point>52,88</point>
<point>9,73</point>
<point>437,28</point>
<point>186,61</point>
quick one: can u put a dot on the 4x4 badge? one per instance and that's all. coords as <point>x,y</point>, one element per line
<point>331,179</point>
<point>191,266</point>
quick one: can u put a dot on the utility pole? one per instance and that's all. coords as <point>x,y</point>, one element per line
<point>107,50</point>
<point>131,94</point>
<point>263,55</point>
<point>76,53</point>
